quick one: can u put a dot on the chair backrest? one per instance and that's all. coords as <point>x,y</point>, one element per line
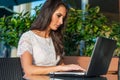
<point>10,69</point>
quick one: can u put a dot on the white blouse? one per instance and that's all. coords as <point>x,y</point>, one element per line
<point>42,49</point>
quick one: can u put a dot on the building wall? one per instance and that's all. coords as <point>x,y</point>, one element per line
<point>23,7</point>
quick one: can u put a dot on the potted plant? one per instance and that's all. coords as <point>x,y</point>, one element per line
<point>115,34</point>
<point>85,27</point>
<point>11,28</point>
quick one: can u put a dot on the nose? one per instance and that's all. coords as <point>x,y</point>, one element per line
<point>61,21</point>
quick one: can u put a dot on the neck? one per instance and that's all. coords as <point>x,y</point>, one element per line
<point>45,33</point>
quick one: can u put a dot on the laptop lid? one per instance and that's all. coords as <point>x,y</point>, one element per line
<point>101,56</point>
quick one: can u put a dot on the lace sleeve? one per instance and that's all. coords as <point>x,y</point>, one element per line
<point>24,44</point>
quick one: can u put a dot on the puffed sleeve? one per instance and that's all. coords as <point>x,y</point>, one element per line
<point>24,44</point>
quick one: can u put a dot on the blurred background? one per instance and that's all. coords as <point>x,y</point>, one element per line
<point>12,27</point>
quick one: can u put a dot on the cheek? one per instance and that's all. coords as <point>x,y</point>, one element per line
<point>52,24</point>
<point>54,21</point>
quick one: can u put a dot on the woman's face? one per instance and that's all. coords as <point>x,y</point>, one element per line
<point>57,18</point>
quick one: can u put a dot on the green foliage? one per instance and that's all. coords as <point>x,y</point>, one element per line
<point>115,34</point>
<point>84,27</point>
<point>11,27</point>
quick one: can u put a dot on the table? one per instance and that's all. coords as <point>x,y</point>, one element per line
<point>44,77</point>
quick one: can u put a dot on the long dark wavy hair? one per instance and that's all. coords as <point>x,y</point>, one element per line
<point>43,20</point>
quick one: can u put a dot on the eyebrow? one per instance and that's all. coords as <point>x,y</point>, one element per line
<point>60,14</point>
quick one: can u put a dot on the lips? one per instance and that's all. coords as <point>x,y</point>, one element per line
<point>57,26</point>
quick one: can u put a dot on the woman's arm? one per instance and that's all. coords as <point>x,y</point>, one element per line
<point>29,68</point>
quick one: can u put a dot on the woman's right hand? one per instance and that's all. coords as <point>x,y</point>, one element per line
<point>71,67</point>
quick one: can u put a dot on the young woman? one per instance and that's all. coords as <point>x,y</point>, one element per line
<point>41,48</point>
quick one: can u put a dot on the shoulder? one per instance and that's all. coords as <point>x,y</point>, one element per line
<point>27,33</point>
<point>26,36</point>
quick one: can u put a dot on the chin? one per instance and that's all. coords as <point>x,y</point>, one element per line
<point>54,29</point>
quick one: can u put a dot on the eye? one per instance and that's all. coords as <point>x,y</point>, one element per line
<point>58,15</point>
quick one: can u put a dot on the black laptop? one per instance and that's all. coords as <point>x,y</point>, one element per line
<point>100,59</point>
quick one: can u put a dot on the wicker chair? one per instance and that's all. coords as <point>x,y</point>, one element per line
<point>10,69</point>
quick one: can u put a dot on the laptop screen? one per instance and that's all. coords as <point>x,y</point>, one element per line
<point>101,56</point>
